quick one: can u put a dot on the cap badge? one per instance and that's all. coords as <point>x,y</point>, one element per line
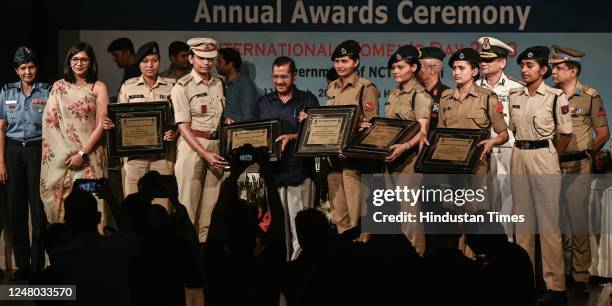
<point>486,45</point>
<point>530,55</point>
<point>342,51</point>
<point>398,56</point>
<point>461,55</point>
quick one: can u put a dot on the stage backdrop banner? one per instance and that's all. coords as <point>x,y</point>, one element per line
<point>308,31</point>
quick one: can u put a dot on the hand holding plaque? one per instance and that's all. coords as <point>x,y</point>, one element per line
<point>326,130</point>
<point>452,151</point>
<point>375,142</point>
<point>138,128</point>
<point>262,133</point>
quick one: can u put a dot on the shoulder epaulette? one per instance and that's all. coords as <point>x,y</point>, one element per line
<point>45,86</point>
<point>590,91</point>
<point>184,80</point>
<point>554,91</point>
<point>446,93</point>
<point>10,85</point>
<point>168,80</point>
<point>515,80</point>
<point>419,88</point>
<point>487,92</point>
<point>131,81</point>
<point>366,82</point>
<point>515,90</point>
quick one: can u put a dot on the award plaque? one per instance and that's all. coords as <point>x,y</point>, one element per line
<point>452,151</point>
<point>139,129</point>
<point>374,143</point>
<point>261,133</point>
<point>326,130</point>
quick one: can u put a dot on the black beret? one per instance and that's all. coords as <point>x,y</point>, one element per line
<point>536,52</point>
<point>465,54</point>
<point>147,49</point>
<point>24,55</point>
<point>432,52</point>
<point>540,52</point>
<point>346,48</point>
<point>404,52</point>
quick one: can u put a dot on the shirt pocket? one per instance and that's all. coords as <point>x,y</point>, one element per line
<point>543,122</point>
<point>450,117</point>
<point>479,117</point>
<point>12,107</point>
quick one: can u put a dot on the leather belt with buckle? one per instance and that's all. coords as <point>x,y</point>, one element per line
<point>531,144</point>
<point>23,143</point>
<point>573,156</point>
<point>205,134</point>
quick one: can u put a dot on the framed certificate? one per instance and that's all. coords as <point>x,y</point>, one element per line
<point>326,131</point>
<point>374,143</point>
<point>261,133</point>
<point>451,151</point>
<point>139,129</point>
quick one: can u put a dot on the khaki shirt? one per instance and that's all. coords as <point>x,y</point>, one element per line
<point>198,102</point>
<point>478,110</point>
<point>502,90</point>
<point>402,100</point>
<point>356,91</point>
<point>587,112</point>
<point>136,90</point>
<point>531,117</point>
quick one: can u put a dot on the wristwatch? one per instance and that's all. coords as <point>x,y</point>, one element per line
<point>84,155</point>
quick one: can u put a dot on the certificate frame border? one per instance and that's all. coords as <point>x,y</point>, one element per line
<point>272,125</point>
<point>425,164</point>
<point>161,109</point>
<point>355,147</point>
<point>348,112</point>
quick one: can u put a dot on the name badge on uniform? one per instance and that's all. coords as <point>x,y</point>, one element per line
<point>204,94</point>
<point>203,109</point>
<point>136,97</point>
<point>516,106</point>
<point>12,104</point>
<point>163,97</point>
<point>447,108</point>
<point>331,97</point>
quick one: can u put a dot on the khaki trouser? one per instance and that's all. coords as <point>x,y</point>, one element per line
<point>136,168</point>
<point>344,185</point>
<point>575,198</point>
<point>405,176</point>
<point>536,186</point>
<point>198,182</point>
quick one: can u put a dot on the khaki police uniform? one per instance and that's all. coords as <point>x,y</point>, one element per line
<point>477,111</point>
<point>500,155</point>
<point>343,178</point>
<point>411,102</point>
<point>200,103</point>
<point>135,90</point>
<point>536,176</point>
<point>587,113</point>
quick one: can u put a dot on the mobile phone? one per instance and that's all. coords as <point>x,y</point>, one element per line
<point>89,185</point>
